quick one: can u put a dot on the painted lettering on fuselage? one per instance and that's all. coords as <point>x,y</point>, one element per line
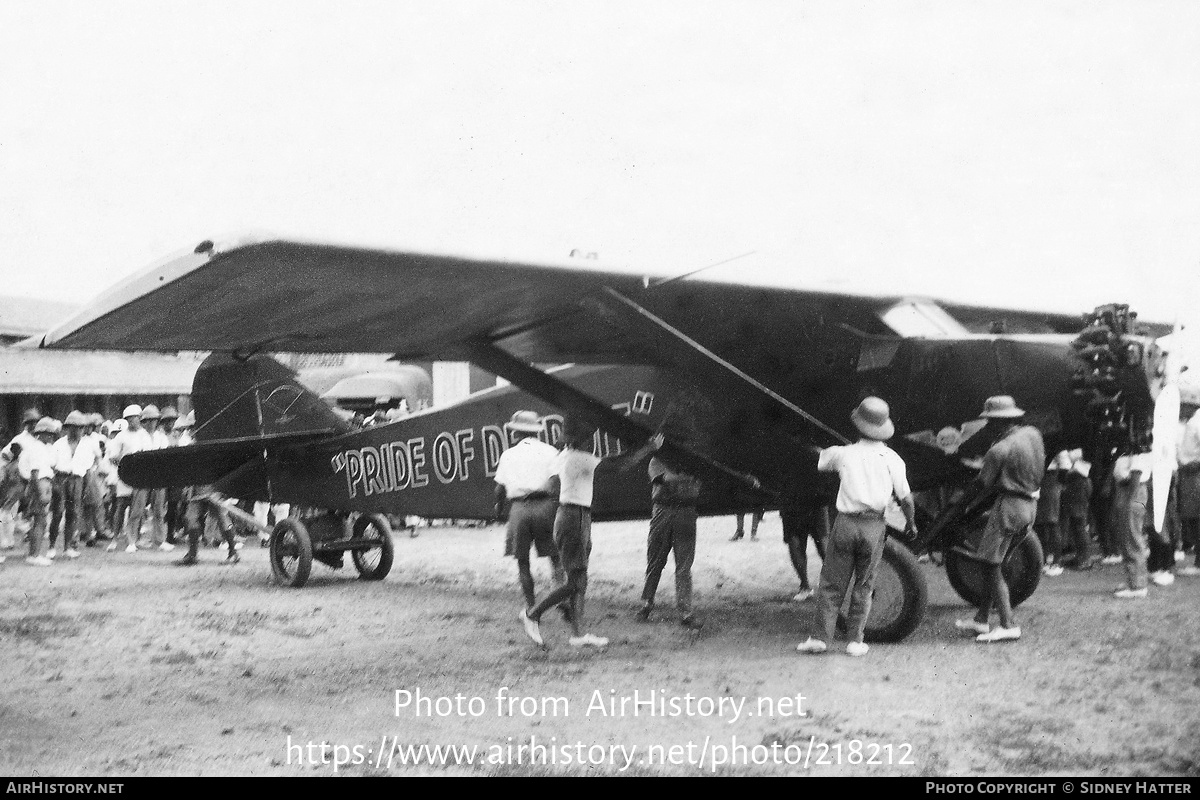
<point>446,457</point>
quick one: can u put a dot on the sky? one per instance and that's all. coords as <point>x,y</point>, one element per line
<point>1043,155</point>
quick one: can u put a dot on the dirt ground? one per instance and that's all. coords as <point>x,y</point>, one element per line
<point>120,665</point>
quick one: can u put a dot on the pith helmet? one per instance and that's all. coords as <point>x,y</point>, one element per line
<point>45,425</point>
<point>96,419</point>
<point>187,420</point>
<point>132,411</point>
<point>31,415</point>
<point>170,413</point>
<point>525,422</point>
<point>76,418</point>
<point>1001,406</point>
<point>872,419</point>
<point>151,412</point>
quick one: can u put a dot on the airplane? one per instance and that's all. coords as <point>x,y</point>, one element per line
<point>761,376</point>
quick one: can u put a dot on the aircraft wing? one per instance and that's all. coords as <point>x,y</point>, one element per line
<point>279,295</point>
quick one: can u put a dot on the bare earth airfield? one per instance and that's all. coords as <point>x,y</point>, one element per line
<point>119,665</point>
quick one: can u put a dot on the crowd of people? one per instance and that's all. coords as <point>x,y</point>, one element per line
<point>1084,520</point>
<point>1023,490</point>
<point>60,489</point>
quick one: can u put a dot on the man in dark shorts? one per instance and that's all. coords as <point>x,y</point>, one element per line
<point>1014,467</point>
<point>524,480</point>
<point>575,466</point>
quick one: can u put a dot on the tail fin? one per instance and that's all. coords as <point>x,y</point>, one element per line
<point>256,397</point>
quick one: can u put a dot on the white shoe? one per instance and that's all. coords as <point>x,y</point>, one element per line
<point>1052,570</point>
<point>811,645</point>
<point>166,547</point>
<point>857,649</point>
<point>1000,635</point>
<point>1128,594</point>
<point>588,640</point>
<point>971,625</point>
<point>50,554</point>
<point>112,548</point>
<point>38,561</point>
<point>237,545</point>
<point>1162,578</point>
<point>1190,571</point>
<point>1180,556</point>
<point>1110,560</point>
<point>531,628</point>
<point>803,595</point>
<point>71,553</point>
<point>131,549</point>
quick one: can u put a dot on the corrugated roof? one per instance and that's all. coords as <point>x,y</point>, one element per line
<point>27,316</point>
<point>24,371</point>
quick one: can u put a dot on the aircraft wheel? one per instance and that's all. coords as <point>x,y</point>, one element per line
<point>373,564</point>
<point>291,552</point>
<point>899,599</point>
<point>1022,572</point>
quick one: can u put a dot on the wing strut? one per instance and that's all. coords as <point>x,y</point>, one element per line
<point>643,318</point>
<point>490,357</point>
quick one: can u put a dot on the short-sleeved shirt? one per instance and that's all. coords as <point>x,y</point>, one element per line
<point>525,467</point>
<point>78,461</point>
<point>38,456</point>
<point>871,474</point>
<point>1016,463</point>
<point>576,471</point>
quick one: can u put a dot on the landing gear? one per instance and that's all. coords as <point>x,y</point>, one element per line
<point>373,563</point>
<point>326,536</point>
<point>291,552</point>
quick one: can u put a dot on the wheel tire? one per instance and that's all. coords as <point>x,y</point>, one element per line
<point>373,526</point>
<point>899,599</point>
<point>291,552</point>
<point>1022,572</point>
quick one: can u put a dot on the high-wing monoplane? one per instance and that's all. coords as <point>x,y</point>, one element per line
<point>760,374</point>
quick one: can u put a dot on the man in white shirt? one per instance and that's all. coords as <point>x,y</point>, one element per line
<point>157,498</point>
<point>133,439</point>
<point>36,465</point>
<point>871,475</point>
<point>75,457</point>
<point>8,513</point>
<point>575,467</point>
<point>523,478</point>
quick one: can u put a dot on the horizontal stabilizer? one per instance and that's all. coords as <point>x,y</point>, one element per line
<point>204,463</point>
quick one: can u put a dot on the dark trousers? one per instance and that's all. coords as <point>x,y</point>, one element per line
<point>1081,540</point>
<point>195,515</point>
<point>1050,535</point>
<point>800,522</point>
<point>71,489</point>
<point>854,551</point>
<point>672,528</point>
<point>1191,534</point>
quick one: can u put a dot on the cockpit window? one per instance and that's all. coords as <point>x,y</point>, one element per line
<point>921,319</point>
